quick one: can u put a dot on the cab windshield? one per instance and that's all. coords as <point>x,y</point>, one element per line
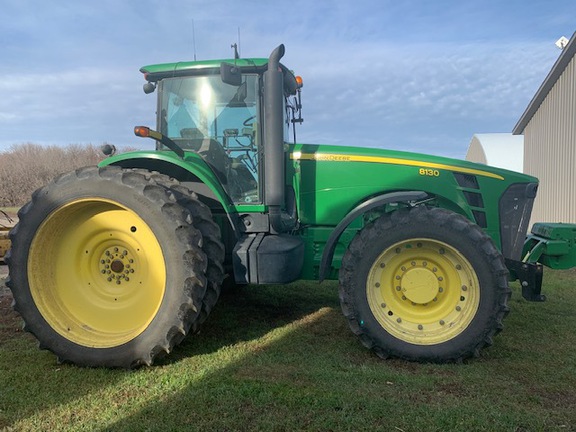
<point>218,121</point>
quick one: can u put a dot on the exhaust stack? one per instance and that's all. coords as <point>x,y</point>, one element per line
<point>274,176</point>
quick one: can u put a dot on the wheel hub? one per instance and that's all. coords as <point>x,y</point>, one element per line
<point>420,285</point>
<point>116,265</point>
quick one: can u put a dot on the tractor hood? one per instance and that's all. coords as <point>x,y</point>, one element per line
<point>331,181</point>
<point>424,165</point>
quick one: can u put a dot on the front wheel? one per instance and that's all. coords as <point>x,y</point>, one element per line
<point>424,284</point>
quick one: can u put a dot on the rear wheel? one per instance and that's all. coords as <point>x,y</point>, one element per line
<point>104,268</point>
<point>212,246</point>
<point>424,284</point>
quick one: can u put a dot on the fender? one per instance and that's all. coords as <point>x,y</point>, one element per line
<point>189,168</point>
<point>372,203</point>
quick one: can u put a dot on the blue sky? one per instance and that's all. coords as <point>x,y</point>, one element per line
<point>410,75</point>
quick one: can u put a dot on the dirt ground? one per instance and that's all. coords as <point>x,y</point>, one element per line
<point>10,321</point>
<point>3,274</point>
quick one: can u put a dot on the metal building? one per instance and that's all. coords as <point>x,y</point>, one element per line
<point>549,129</point>
<point>502,150</point>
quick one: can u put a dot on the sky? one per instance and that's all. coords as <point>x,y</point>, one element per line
<point>414,75</point>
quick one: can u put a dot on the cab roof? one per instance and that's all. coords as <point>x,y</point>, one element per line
<point>165,70</point>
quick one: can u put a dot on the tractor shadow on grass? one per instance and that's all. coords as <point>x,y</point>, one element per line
<point>264,354</point>
<point>246,313</point>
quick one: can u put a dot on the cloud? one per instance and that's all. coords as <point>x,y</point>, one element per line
<point>71,106</point>
<point>411,75</point>
<point>395,97</point>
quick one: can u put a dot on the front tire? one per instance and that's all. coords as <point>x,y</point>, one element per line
<point>105,268</point>
<point>424,284</point>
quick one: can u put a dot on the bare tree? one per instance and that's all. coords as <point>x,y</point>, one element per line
<point>27,167</point>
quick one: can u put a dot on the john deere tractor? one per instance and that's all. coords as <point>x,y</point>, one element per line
<point>116,264</point>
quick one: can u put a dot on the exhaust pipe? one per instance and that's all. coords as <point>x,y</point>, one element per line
<point>274,176</point>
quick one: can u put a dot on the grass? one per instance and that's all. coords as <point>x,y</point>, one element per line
<point>283,359</point>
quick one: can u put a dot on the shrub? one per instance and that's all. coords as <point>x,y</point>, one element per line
<point>27,167</point>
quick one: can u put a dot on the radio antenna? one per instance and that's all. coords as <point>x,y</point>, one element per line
<point>239,46</point>
<point>194,39</point>
<point>236,47</point>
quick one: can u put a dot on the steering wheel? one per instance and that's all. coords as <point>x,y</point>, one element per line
<point>248,122</point>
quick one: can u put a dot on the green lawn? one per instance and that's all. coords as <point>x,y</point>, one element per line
<point>283,359</point>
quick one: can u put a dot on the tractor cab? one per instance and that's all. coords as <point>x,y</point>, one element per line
<point>216,109</point>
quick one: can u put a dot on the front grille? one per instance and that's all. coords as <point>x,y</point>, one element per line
<point>467,181</point>
<point>480,217</point>
<point>474,199</point>
<point>515,209</point>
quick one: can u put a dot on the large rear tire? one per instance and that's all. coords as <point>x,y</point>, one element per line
<point>212,245</point>
<point>424,284</point>
<point>106,269</point>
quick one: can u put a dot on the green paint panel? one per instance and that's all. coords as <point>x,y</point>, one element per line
<point>333,180</point>
<point>192,162</point>
<point>202,64</point>
<point>552,244</point>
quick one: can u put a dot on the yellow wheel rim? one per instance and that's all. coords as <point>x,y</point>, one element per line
<point>423,291</point>
<point>96,273</point>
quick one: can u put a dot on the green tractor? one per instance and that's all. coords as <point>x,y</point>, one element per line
<point>113,265</point>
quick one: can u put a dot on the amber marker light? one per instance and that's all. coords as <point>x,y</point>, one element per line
<point>142,131</point>
<point>299,81</point>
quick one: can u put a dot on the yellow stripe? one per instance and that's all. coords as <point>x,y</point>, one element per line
<point>333,157</point>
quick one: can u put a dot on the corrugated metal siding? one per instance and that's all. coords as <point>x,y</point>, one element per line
<point>550,151</point>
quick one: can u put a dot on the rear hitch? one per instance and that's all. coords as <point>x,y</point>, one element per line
<point>530,276</point>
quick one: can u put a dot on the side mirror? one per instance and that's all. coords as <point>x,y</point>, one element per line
<point>230,74</point>
<point>149,88</point>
